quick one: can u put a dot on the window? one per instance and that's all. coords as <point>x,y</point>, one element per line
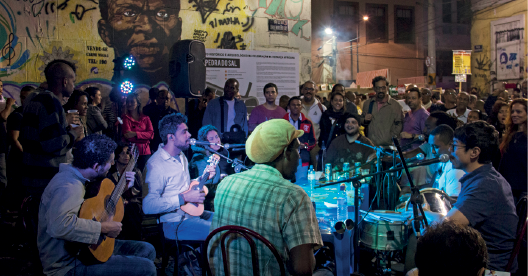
<point>403,24</point>
<point>464,12</point>
<point>344,20</point>
<point>446,11</point>
<point>377,24</point>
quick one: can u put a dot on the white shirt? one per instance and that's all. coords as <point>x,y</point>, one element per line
<point>295,124</point>
<point>314,114</point>
<point>462,117</point>
<point>230,114</point>
<point>166,178</point>
<point>449,179</point>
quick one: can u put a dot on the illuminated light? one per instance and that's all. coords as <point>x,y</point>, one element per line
<point>129,62</point>
<point>365,18</point>
<point>127,87</point>
<point>328,31</point>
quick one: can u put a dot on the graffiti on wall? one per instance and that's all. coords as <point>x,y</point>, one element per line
<point>92,33</point>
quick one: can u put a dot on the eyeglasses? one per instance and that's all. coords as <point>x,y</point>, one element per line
<point>380,88</point>
<point>453,147</point>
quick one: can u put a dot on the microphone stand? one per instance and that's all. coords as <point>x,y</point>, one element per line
<point>237,164</point>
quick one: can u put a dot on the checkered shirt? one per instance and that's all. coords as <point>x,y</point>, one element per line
<point>262,200</point>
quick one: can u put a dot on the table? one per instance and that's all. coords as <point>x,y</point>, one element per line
<point>327,216</point>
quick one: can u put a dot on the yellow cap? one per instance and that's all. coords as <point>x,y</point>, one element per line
<point>269,140</point>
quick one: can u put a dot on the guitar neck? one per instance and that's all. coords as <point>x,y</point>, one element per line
<point>120,187</point>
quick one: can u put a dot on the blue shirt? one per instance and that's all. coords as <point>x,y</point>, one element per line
<point>486,200</point>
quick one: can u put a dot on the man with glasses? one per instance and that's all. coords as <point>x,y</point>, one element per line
<point>382,116</point>
<point>426,98</point>
<point>312,108</point>
<point>450,99</point>
<point>485,201</point>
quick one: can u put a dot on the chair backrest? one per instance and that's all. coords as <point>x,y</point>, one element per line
<point>521,229</point>
<point>248,235</point>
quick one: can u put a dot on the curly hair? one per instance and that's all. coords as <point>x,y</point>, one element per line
<point>442,118</point>
<point>379,78</point>
<point>75,98</point>
<point>449,249</point>
<point>169,124</point>
<point>93,149</point>
<point>202,133</point>
<point>512,128</point>
<point>479,134</point>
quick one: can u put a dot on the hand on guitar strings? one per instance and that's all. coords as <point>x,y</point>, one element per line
<point>111,228</point>
<point>212,171</point>
<point>194,196</point>
<point>130,177</point>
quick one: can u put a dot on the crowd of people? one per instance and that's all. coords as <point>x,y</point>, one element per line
<point>66,139</point>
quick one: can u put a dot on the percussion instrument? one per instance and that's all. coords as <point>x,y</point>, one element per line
<point>435,200</point>
<point>385,230</point>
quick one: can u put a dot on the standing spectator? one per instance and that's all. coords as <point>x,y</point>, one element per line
<point>426,98</point>
<point>350,106</point>
<point>516,93</point>
<point>472,101</point>
<point>283,102</point>
<point>474,115</point>
<point>155,114</point>
<point>4,114</point>
<point>435,98</point>
<point>461,111</point>
<point>234,111</point>
<point>513,148</point>
<point>382,115</point>
<point>474,91</point>
<point>137,129</point>
<point>78,101</point>
<point>15,171</point>
<point>450,98</point>
<point>307,141</point>
<point>493,97</point>
<point>110,114</point>
<point>196,110</point>
<point>153,95</point>
<point>524,87</point>
<point>312,108</point>
<point>331,125</point>
<point>267,111</point>
<point>46,132</point>
<point>498,116</point>
<point>95,123</point>
<point>403,101</point>
<point>414,121</point>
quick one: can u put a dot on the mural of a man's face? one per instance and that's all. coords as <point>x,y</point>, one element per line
<point>144,28</point>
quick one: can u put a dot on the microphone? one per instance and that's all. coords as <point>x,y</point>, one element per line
<point>419,138</point>
<point>419,157</point>
<point>442,158</point>
<point>229,146</point>
<point>203,143</point>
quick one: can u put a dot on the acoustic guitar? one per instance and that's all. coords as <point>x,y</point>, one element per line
<point>106,204</point>
<point>196,209</point>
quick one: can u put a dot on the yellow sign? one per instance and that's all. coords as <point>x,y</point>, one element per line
<point>431,79</point>
<point>461,62</point>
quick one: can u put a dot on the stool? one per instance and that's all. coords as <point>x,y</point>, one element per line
<point>168,248</point>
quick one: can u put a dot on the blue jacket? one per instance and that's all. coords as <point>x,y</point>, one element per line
<point>212,114</point>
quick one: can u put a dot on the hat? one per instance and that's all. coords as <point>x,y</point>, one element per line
<point>269,140</point>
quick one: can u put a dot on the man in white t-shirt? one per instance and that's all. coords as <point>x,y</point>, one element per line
<point>311,107</point>
<point>461,111</point>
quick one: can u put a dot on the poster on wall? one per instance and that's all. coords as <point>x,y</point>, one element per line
<point>507,47</point>
<point>509,56</point>
<point>253,70</point>
<point>462,62</point>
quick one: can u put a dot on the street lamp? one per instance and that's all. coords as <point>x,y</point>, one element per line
<point>328,31</point>
<point>365,18</point>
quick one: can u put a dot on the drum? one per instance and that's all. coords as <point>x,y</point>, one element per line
<point>385,230</point>
<point>436,201</point>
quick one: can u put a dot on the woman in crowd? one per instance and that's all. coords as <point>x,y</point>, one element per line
<point>131,197</point>
<point>78,101</point>
<point>498,115</point>
<point>513,148</point>
<point>201,154</point>
<point>137,129</point>
<point>329,124</point>
<point>94,119</point>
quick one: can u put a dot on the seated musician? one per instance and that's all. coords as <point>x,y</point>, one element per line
<point>344,149</point>
<point>485,201</point>
<point>168,180</point>
<point>298,120</point>
<point>263,200</point>
<point>59,223</point>
<point>209,133</point>
<point>131,197</point>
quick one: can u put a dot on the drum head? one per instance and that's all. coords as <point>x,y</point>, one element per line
<point>435,201</point>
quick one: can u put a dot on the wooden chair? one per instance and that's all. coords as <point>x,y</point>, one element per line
<point>168,248</point>
<point>248,235</point>
<point>521,232</point>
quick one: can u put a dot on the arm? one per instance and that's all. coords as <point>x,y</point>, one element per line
<point>456,216</point>
<point>96,122</point>
<point>302,260</point>
<point>312,141</point>
<point>9,105</point>
<point>63,222</point>
<point>53,135</point>
<point>148,133</point>
<point>13,134</point>
<point>397,126</point>
<point>244,119</point>
<point>155,202</point>
<point>208,114</point>
<point>253,118</point>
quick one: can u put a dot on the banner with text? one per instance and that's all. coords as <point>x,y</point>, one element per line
<point>253,70</point>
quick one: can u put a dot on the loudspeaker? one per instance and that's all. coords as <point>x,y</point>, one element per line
<point>187,68</point>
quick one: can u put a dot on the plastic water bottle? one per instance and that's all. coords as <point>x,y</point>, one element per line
<point>311,180</point>
<point>342,213</point>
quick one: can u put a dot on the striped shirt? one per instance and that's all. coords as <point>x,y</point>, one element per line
<point>262,200</point>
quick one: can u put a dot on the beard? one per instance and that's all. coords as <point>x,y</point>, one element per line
<point>353,133</point>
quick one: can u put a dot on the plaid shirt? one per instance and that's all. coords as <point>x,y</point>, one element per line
<point>262,200</point>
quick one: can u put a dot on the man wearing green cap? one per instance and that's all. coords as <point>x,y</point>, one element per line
<point>264,200</point>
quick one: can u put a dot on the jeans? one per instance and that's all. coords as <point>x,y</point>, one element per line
<point>130,258</point>
<point>191,228</point>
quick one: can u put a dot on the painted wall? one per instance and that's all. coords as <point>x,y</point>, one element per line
<point>483,63</point>
<point>91,33</point>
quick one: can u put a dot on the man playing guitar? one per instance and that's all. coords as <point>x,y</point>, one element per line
<point>59,222</point>
<point>168,180</point>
